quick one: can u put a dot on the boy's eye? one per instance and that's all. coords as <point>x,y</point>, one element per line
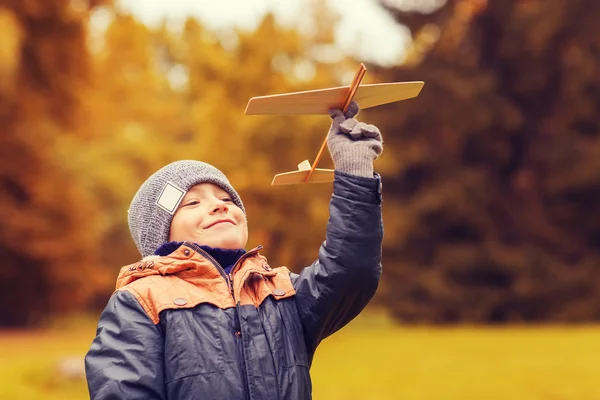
<point>191,203</point>
<point>226,199</point>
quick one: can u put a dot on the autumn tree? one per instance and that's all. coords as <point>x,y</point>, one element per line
<point>492,192</point>
<point>46,244</point>
<point>160,94</point>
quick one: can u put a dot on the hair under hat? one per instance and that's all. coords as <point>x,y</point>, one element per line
<point>153,206</point>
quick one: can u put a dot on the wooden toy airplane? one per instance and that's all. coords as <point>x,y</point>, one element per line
<point>320,102</point>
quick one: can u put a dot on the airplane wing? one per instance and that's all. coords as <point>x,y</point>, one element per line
<point>322,100</point>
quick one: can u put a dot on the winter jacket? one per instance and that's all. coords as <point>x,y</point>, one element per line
<point>179,327</point>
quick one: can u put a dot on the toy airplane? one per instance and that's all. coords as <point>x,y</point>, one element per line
<point>320,102</point>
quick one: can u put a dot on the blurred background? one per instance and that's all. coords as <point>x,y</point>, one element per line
<point>491,283</point>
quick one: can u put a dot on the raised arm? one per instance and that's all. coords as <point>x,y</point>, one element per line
<point>125,360</point>
<point>336,287</point>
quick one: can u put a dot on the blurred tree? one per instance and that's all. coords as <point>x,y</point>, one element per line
<point>495,175</point>
<point>46,220</point>
<point>160,94</point>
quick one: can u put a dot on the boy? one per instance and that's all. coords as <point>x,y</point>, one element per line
<point>201,318</point>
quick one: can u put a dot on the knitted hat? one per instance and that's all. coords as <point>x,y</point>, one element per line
<point>153,206</point>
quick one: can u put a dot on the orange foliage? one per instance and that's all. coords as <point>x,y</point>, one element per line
<point>93,114</point>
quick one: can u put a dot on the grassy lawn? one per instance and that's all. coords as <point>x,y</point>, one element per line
<point>369,359</point>
<point>379,361</point>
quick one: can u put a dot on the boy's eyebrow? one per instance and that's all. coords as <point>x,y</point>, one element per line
<point>217,191</point>
<point>190,193</point>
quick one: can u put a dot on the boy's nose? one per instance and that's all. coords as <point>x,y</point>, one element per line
<point>220,206</point>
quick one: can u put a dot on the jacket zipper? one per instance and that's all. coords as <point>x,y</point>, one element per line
<point>229,279</point>
<point>244,364</point>
<point>227,276</point>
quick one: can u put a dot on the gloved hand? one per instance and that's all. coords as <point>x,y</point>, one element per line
<point>353,145</point>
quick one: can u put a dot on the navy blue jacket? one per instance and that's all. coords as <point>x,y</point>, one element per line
<point>179,327</point>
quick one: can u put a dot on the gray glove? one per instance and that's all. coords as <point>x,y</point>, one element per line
<point>353,145</point>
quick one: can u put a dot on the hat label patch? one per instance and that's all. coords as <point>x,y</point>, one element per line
<point>170,197</point>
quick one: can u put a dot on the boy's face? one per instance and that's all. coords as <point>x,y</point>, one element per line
<point>207,216</point>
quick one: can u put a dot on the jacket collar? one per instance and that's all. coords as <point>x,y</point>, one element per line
<point>187,261</point>
<point>225,257</point>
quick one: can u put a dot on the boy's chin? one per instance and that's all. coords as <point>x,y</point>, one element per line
<point>227,244</point>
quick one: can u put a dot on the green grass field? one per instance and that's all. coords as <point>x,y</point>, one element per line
<point>370,359</point>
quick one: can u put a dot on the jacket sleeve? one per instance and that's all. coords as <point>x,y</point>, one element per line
<point>337,286</point>
<point>125,360</point>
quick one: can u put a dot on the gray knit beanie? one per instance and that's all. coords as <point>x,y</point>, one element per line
<point>156,201</point>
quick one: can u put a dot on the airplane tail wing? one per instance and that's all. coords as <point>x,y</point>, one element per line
<point>319,175</point>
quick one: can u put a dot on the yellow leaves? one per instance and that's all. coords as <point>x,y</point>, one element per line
<point>48,219</point>
<point>102,104</point>
<point>422,44</point>
<point>11,36</point>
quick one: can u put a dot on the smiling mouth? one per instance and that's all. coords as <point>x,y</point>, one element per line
<point>219,223</point>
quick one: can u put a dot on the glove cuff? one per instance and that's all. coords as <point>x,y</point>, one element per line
<point>358,162</point>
